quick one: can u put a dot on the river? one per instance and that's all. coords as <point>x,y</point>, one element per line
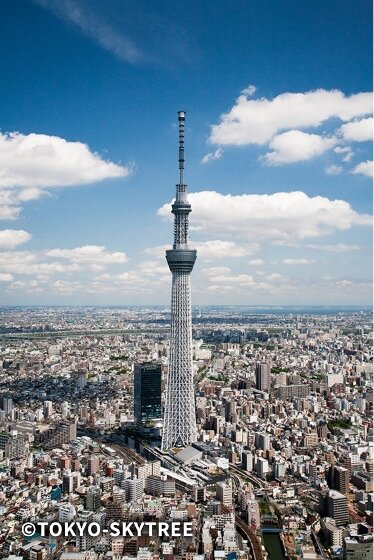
<point>273,546</point>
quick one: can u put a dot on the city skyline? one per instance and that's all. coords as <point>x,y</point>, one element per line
<point>278,151</point>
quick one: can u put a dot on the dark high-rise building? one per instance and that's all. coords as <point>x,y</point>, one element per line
<point>93,498</point>
<point>337,507</point>
<point>338,479</point>
<point>147,393</point>
<point>6,404</point>
<point>263,371</point>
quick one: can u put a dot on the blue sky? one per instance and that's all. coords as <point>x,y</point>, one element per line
<point>278,149</point>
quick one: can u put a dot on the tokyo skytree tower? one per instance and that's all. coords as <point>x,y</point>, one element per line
<point>179,417</point>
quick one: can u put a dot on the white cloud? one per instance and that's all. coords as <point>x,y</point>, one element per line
<point>37,161</point>
<point>288,216</point>
<point>275,276</point>
<point>222,277</point>
<point>256,262</point>
<point>211,249</point>
<point>30,194</point>
<point>9,205</point>
<point>94,26</point>
<point>358,131</point>
<point>250,90</point>
<point>297,261</point>
<point>346,151</point>
<point>216,249</point>
<point>295,145</point>
<point>256,121</point>
<point>10,238</point>
<point>154,268</point>
<point>28,263</point>
<point>338,248</point>
<point>89,254</point>
<point>5,277</point>
<point>364,168</point>
<point>212,156</point>
<point>342,149</point>
<point>147,279</point>
<point>333,169</point>
<point>66,287</point>
<point>344,283</point>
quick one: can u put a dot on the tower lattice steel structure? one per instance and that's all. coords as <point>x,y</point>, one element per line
<point>179,417</point>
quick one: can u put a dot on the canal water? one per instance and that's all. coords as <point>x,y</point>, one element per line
<point>273,546</point>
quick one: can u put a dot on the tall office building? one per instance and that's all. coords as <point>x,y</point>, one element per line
<point>179,417</point>
<point>47,409</point>
<point>6,404</point>
<point>224,493</point>
<point>338,479</point>
<point>337,507</point>
<point>247,460</point>
<point>263,370</point>
<point>93,498</point>
<point>147,393</point>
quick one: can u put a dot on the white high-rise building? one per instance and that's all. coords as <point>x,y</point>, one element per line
<point>134,489</point>
<point>224,493</point>
<point>66,512</point>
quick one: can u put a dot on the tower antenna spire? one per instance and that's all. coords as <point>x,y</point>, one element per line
<point>181,121</point>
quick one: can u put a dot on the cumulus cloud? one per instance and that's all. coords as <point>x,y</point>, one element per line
<point>67,287</point>
<point>89,254</point>
<point>154,268</point>
<point>344,283</point>
<point>41,161</point>
<point>10,238</point>
<point>358,130</point>
<point>41,265</point>
<point>344,151</point>
<point>144,280</point>
<point>219,278</point>
<point>30,264</point>
<point>364,168</point>
<point>30,164</point>
<point>337,248</point>
<point>297,261</point>
<point>287,216</point>
<point>216,249</point>
<point>250,90</point>
<point>9,205</point>
<point>333,169</point>
<point>256,121</point>
<point>295,145</point>
<point>217,154</point>
<point>211,249</point>
<point>256,262</point>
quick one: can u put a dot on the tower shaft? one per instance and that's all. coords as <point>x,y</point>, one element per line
<point>179,417</point>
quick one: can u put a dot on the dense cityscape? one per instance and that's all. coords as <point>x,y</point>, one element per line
<point>283,462</point>
<point>178,386</point>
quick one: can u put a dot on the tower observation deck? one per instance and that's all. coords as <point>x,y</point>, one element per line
<point>179,416</point>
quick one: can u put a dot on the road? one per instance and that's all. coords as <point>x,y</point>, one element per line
<point>256,482</point>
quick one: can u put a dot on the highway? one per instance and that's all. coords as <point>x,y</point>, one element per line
<point>256,482</point>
